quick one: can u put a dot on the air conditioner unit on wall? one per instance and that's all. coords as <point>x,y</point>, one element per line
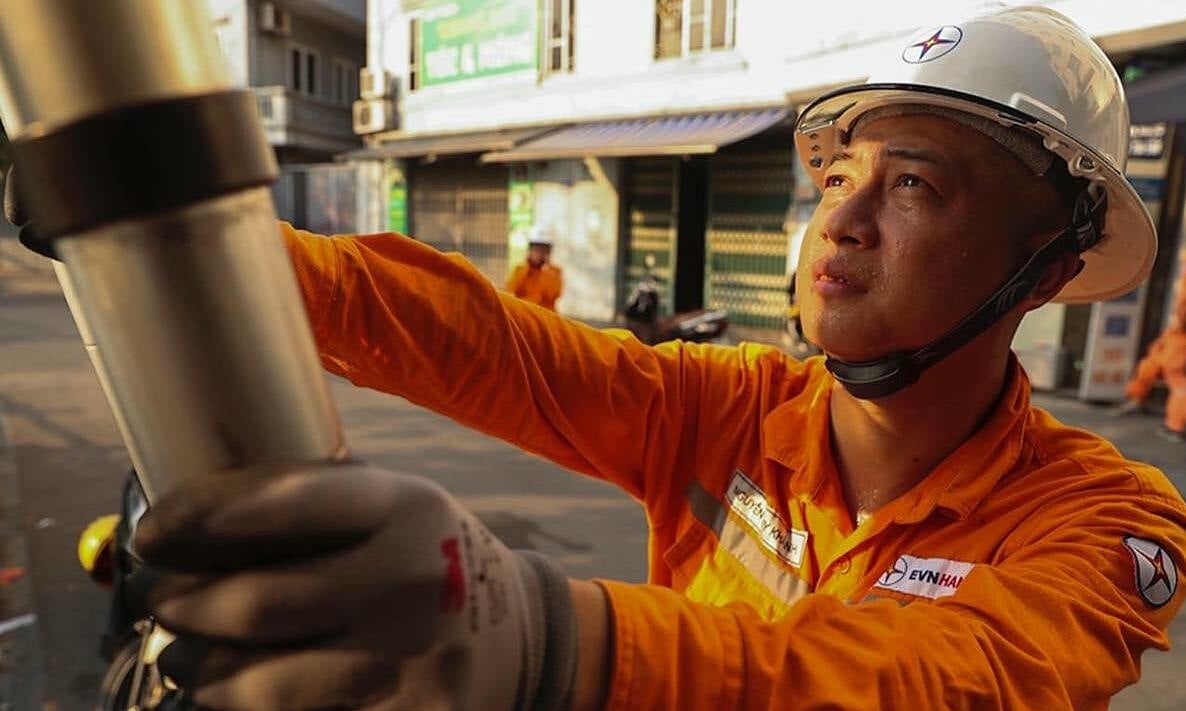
<point>274,20</point>
<point>373,115</point>
<point>374,83</point>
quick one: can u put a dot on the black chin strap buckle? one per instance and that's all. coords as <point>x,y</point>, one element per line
<point>872,379</point>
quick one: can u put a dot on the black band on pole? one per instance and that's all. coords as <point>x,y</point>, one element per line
<point>142,159</point>
<point>872,379</point>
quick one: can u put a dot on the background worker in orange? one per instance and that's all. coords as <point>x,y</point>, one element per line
<point>1166,360</point>
<point>891,526</point>
<point>537,280</point>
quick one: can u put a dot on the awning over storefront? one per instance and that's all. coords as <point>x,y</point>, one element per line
<point>414,146</point>
<point>1158,97</point>
<point>670,135</point>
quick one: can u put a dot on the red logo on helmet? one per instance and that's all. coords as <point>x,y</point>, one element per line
<point>933,44</point>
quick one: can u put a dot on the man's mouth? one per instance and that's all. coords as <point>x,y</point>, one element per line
<point>833,278</point>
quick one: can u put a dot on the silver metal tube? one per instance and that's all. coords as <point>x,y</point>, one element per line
<point>191,316</point>
<point>204,339</point>
<point>96,357</point>
<point>66,59</point>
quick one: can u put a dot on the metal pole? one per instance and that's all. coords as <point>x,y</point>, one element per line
<point>151,173</point>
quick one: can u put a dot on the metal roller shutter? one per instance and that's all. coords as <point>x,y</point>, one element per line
<point>651,224</point>
<point>747,243</point>
<point>461,206</point>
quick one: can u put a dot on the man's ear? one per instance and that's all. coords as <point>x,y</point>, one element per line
<point>1060,271</point>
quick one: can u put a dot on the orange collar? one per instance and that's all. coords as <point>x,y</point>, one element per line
<point>797,435</point>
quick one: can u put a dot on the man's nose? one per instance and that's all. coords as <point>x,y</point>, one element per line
<point>852,222</point>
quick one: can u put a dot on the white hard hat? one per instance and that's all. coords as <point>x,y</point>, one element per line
<point>537,235</point>
<point>1027,68</point>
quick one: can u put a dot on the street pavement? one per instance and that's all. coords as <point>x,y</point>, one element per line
<point>62,464</point>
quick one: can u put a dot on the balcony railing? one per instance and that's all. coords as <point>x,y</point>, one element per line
<point>294,119</point>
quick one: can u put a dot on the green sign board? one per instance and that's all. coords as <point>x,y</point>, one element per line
<point>521,211</point>
<point>397,197</point>
<point>467,39</point>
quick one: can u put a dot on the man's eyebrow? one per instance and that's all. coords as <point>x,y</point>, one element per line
<point>919,154</point>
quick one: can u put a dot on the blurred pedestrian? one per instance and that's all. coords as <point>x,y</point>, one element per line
<point>538,280</point>
<point>1165,360</point>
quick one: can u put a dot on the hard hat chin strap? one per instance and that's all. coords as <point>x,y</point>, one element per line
<point>878,378</point>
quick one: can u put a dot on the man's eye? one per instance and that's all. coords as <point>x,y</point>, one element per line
<point>910,181</point>
<point>833,181</point>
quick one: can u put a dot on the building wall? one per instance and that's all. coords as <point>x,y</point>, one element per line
<point>259,59</point>
<point>231,26</point>
<point>614,42</point>
<point>270,57</point>
<point>353,10</point>
<point>778,50</point>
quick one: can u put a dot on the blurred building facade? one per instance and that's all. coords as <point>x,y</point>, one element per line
<point>629,128</point>
<point>302,58</point>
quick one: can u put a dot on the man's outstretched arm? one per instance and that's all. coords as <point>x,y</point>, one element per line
<point>396,315</point>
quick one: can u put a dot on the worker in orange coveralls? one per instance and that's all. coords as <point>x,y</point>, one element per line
<point>1166,360</point>
<point>892,525</point>
<point>537,280</point>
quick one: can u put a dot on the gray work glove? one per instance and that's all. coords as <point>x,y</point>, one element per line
<point>346,586</point>
<point>14,212</point>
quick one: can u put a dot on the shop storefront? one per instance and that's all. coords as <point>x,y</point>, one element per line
<point>751,186</point>
<point>666,202</point>
<point>461,205</point>
<point>650,229</point>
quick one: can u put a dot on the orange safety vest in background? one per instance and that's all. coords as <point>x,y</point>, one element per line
<point>539,285</point>
<point>1030,569</point>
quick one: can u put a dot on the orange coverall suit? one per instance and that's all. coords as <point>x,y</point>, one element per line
<point>1166,359</point>
<point>539,285</point>
<point>1029,570</point>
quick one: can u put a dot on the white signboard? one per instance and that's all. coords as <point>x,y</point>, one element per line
<point>1112,339</point>
<point>1114,333</point>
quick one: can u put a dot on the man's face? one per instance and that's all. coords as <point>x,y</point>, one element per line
<point>538,254</point>
<point>921,219</point>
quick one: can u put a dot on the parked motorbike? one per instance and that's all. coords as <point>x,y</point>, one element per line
<point>642,314</point>
<point>131,641</point>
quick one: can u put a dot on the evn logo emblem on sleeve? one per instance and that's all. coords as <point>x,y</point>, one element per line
<point>1156,575</point>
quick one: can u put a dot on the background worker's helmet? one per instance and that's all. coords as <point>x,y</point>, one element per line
<point>1026,68</point>
<point>537,236</point>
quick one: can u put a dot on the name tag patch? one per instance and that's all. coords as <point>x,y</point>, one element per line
<point>749,503</point>
<point>924,577</point>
